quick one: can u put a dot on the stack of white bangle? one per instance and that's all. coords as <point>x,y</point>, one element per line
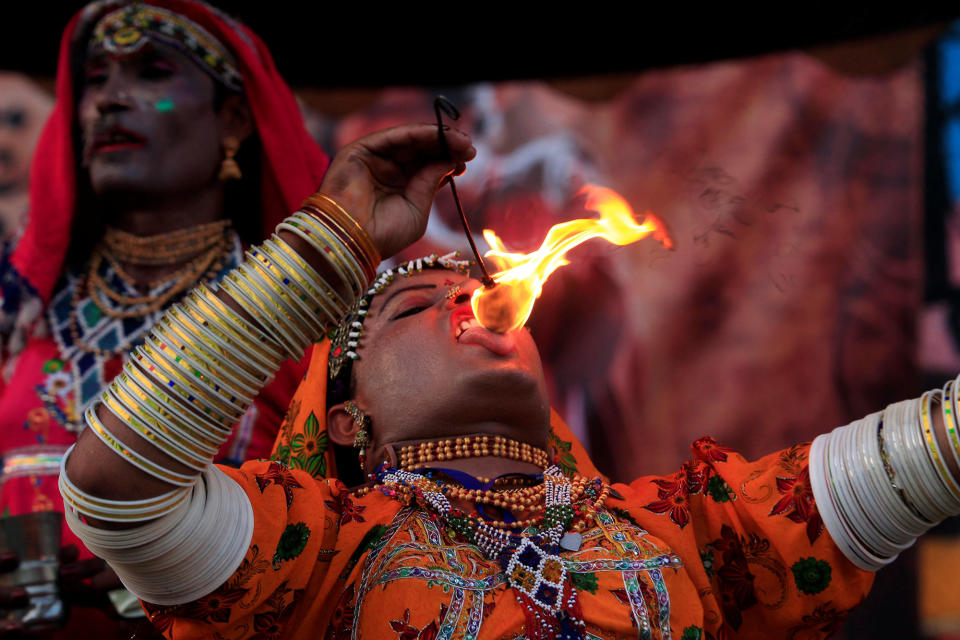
<point>183,555</point>
<point>882,481</point>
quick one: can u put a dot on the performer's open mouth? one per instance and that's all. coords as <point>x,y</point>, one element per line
<point>466,330</point>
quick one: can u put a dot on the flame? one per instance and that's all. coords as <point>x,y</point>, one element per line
<point>520,276</point>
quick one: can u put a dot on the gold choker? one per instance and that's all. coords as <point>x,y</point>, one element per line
<point>170,248</point>
<point>423,454</point>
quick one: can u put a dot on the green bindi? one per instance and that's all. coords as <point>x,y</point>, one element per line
<point>166,104</point>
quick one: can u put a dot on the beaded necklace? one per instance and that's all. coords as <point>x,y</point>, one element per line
<point>213,242</point>
<point>93,341</point>
<point>529,558</point>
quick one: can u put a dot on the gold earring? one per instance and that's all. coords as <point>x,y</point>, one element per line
<point>362,438</point>
<point>229,169</point>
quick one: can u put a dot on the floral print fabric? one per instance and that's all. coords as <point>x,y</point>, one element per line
<point>721,549</point>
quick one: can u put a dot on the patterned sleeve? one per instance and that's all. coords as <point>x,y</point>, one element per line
<point>295,523</point>
<point>752,541</point>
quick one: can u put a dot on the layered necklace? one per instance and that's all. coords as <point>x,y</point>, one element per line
<point>526,549</point>
<point>202,248</point>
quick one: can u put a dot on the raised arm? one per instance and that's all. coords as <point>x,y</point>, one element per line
<point>144,460</point>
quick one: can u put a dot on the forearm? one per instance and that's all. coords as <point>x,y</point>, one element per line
<point>164,417</point>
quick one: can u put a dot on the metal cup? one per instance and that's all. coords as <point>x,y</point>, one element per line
<point>35,538</point>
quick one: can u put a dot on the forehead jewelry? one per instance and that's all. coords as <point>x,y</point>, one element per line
<point>345,340</point>
<point>128,29</point>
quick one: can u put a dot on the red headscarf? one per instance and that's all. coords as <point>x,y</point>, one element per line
<point>292,163</point>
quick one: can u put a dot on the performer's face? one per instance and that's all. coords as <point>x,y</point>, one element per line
<point>149,124</point>
<point>420,374</point>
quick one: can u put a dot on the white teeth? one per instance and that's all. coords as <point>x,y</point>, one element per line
<point>466,323</point>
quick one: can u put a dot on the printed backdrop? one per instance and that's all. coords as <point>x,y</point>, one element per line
<point>794,197</point>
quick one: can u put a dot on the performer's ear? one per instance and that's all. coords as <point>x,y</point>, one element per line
<point>341,427</point>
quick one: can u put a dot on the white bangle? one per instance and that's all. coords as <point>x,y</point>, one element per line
<point>185,555</point>
<point>126,453</point>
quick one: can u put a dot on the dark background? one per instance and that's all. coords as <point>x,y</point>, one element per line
<point>354,44</point>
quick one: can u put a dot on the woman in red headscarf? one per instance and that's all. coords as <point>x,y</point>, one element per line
<point>173,141</point>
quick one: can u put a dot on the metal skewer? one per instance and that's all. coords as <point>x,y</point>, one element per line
<point>442,104</point>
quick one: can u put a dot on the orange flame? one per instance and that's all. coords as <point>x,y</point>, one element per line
<point>521,276</point>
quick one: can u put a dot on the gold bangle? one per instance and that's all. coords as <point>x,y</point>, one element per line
<point>336,254</point>
<point>202,312</point>
<point>146,383</point>
<point>232,401</point>
<point>195,345</point>
<point>327,204</point>
<point>136,424</point>
<point>329,222</point>
<point>174,379</point>
<point>269,345</point>
<point>180,320</point>
<point>284,254</point>
<point>126,390</point>
<point>240,290</point>
<point>280,275</point>
<point>950,418</point>
<point>345,259</point>
<point>296,314</point>
<point>933,448</point>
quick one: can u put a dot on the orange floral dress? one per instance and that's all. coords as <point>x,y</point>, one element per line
<point>723,548</point>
